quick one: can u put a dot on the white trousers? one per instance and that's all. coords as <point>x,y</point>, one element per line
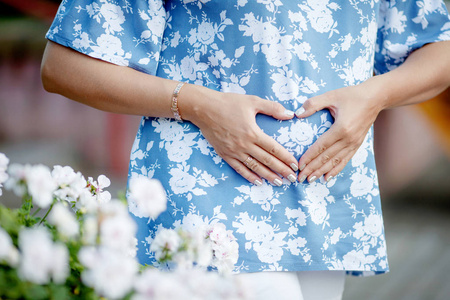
<point>308,285</point>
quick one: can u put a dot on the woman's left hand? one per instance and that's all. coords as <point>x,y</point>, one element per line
<point>354,110</point>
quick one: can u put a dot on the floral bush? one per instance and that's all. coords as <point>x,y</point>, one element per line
<point>70,240</point>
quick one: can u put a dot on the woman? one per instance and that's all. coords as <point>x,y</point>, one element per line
<point>300,192</point>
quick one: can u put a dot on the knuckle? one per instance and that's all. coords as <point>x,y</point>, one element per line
<point>336,161</point>
<point>274,150</point>
<point>322,149</point>
<point>255,167</point>
<point>252,134</point>
<point>267,160</point>
<point>239,170</point>
<point>325,159</point>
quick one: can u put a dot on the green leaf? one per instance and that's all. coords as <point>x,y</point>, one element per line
<point>36,292</point>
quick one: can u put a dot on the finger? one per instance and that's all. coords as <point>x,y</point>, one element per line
<point>338,168</point>
<point>245,172</point>
<point>273,163</point>
<point>324,162</point>
<point>314,104</point>
<point>273,109</point>
<point>275,149</point>
<point>328,139</point>
<point>256,167</point>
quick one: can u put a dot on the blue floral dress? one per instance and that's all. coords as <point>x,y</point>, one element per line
<point>283,50</point>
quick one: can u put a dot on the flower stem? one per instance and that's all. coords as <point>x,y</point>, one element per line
<point>36,211</point>
<point>46,214</point>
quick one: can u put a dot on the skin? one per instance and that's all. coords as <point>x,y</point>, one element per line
<point>424,75</point>
<point>227,120</point>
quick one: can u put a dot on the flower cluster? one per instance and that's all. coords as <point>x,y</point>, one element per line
<point>85,246</point>
<point>3,166</point>
<point>212,246</point>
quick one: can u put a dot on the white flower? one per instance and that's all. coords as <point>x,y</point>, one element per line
<point>60,266</point>
<point>206,33</point>
<point>87,203</point>
<point>353,260</point>
<point>278,55</point>
<point>70,184</point>
<point>297,214</point>
<point>41,258</point>
<point>181,182</point>
<point>261,194</point>
<point>269,251</point>
<point>336,236</point>
<point>8,252</point>
<point>64,220</point>
<point>165,244</point>
<point>178,151</point>
<point>347,42</point>
<point>109,47</point>
<point>109,272</point>
<point>97,188</point>
<point>41,184</point>
<point>114,17</point>
<point>357,260</point>
<point>294,245</point>
<point>360,68</point>
<point>361,184</point>
<point>147,197</point>
<point>193,222</point>
<point>302,133</point>
<point>373,225</point>
<point>36,179</point>
<point>224,246</point>
<point>157,285</point>
<point>188,68</point>
<point>395,20</point>
<point>3,166</point>
<point>170,131</point>
<point>82,42</point>
<point>16,180</point>
<point>322,21</point>
<point>90,230</point>
<point>118,231</point>
<point>284,87</point>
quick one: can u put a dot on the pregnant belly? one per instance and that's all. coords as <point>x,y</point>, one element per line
<point>296,135</point>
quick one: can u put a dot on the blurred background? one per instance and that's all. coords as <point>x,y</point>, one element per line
<point>412,147</point>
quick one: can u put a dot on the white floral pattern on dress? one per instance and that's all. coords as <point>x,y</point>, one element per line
<point>285,51</point>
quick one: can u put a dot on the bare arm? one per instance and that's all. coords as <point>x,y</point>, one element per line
<point>227,120</point>
<point>424,74</point>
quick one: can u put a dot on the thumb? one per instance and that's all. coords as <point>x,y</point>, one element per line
<point>274,109</point>
<point>312,105</point>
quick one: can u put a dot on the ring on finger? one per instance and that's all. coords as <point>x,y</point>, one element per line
<point>248,161</point>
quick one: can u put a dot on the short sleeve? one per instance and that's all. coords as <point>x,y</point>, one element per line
<point>126,33</point>
<point>406,25</point>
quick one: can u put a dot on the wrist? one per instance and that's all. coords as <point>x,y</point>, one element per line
<point>377,93</point>
<point>193,102</point>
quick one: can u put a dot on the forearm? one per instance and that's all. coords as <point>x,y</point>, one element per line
<point>424,74</point>
<point>103,85</point>
<point>226,120</point>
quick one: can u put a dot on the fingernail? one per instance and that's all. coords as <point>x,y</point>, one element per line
<point>302,179</point>
<point>329,178</point>
<point>294,167</point>
<point>299,111</point>
<point>289,113</point>
<point>312,179</point>
<point>292,178</point>
<point>257,182</point>
<point>277,182</point>
<point>302,167</point>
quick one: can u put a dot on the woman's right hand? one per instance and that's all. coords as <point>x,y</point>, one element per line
<point>227,121</point>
